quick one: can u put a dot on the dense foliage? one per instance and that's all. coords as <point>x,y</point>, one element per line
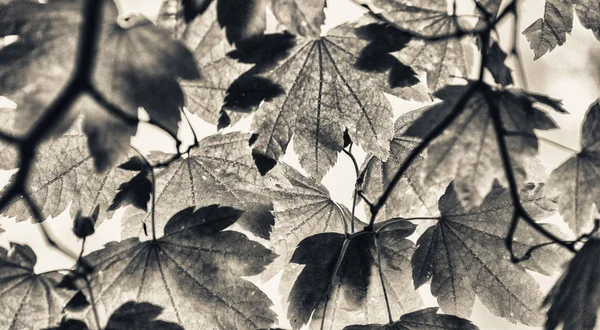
<point>452,191</point>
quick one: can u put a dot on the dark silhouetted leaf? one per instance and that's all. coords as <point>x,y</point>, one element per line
<point>576,181</point>
<point>29,300</point>
<point>551,31</point>
<point>204,96</point>
<point>242,19</point>
<point>134,192</point>
<point>464,255</point>
<point>63,175</point>
<point>385,39</point>
<point>410,196</point>
<point>193,271</point>
<point>425,319</point>
<point>192,8</point>
<point>70,324</point>
<point>219,170</point>
<point>77,303</point>
<point>495,63</point>
<point>355,278</point>
<point>83,225</point>
<point>468,150</point>
<point>48,39</point>
<point>440,59</point>
<point>575,298</point>
<point>325,93</point>
<point>134,315</point>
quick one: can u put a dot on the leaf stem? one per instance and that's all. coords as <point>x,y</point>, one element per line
<point>92,302</point>
<point>534,136</point>
<point>380,271</point>
<point>356,185</point>
<point>153,195</point>
<point>332,283</point>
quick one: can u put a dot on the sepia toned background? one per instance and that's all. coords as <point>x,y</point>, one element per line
<point>570,72</point>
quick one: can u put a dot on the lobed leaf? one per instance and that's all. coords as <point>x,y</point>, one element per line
<point>464,255</point>
<point>194,271</point>
<point>467,151</point>
<point>29,300</point>
<point>219,170</point>
<point>551,31</point>
<point>576,180</point>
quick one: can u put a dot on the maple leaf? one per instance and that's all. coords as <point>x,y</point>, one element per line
<point>574,298</point>
<point>43,58</point>
<point>219,170</point>
<point>62,175</point>
<point>410,197</point>
<point>325,92</point>
<point>29,300</point>
<point>425,319</point>
<point>467,151</point>
<point>133,315</point>
<point>301,17</point>
<point>136,191</point>
<point>355,260</point>
<point>9,154</point>
<point>464,255</point>
<point>443,59</point>
<point>70,324</point>
<point>546,33</point>
<point>576,180</point>
<point>194,271</point>
<point>302,207</point>
<point>205,96</point>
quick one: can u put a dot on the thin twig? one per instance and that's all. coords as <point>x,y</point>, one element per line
<point>356,185</point>
<point>8,138</point>
<point>187,119</point>
<point>435,132</point>
<point>519,211</point>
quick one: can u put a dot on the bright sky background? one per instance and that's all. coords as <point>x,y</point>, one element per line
<point>570,73</point>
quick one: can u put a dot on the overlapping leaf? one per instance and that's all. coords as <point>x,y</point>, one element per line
<point>575,298</point>
<point>443,59</point>
<point>467,151</point>
<point>425,319</point>
<point>550,31</point>
<point>39,64</point>
<point>205,36</point>
<point>410,196</point>
<point>576,181</point>
<point>302,208</point>
<point>193,271</point>
<point>29,300</point>
<point>63,175</point>
<point>588,12</point>
<point>324,92</point>
<point>356,291</point>
<point>464,255</point>
<point>219,170</point>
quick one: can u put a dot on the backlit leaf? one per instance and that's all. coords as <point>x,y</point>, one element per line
<point>43,58</point>
<point>441,60</point>
<point>325,93</point>
<point>467,152</point>
<point>29,300</point>
<point>219,170</point>
<point>550,31</point>
<point>63,175</point>
<point>576,181</point>
<point>464,255</point>
<point>193,271</point>
<point>410,196</point>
